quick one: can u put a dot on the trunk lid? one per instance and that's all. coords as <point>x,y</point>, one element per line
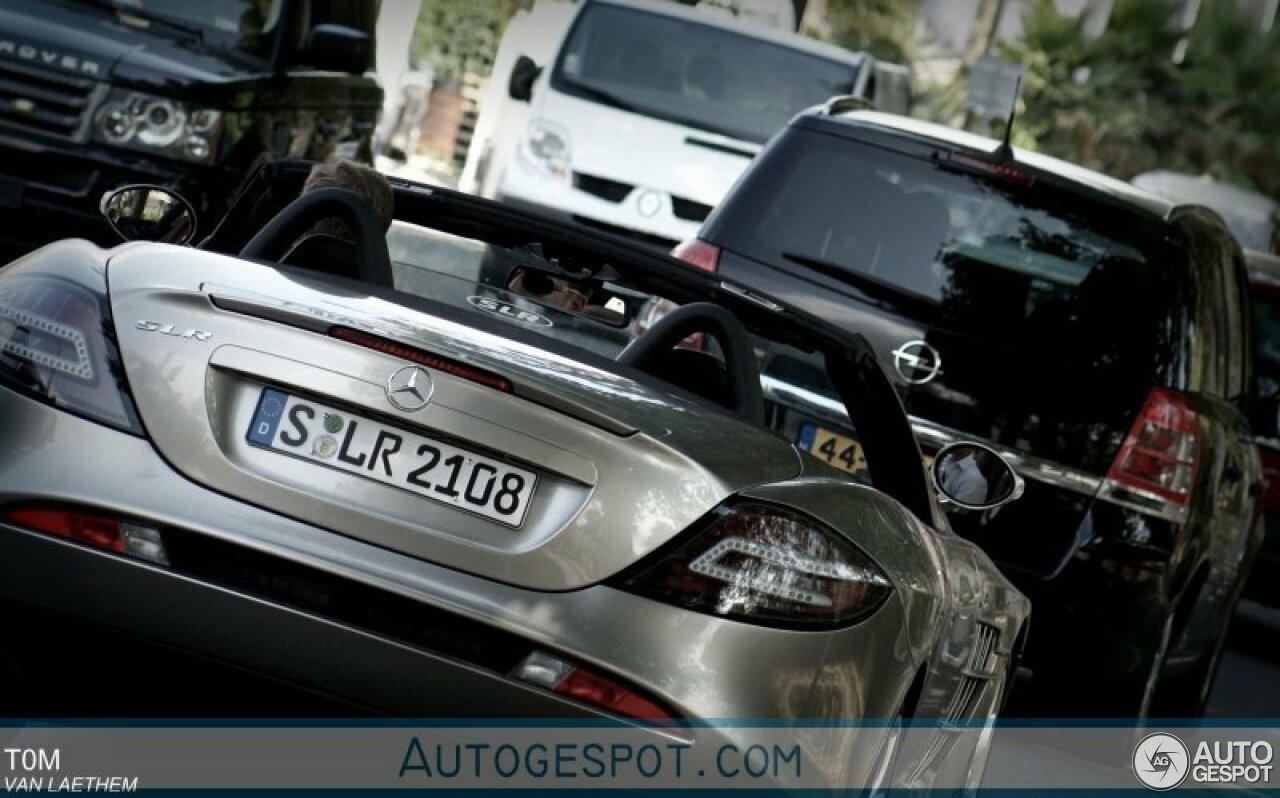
<point>620,467</point>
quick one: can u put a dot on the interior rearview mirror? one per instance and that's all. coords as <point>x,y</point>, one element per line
<point>587,297</point>
<point>974,477</point>
<point>523,74</point>
<point>149,213</point>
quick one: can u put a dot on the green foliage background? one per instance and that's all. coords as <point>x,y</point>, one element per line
<point>1143,95</point>
<point>460,36</point>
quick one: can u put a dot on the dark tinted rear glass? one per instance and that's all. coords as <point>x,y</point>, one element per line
<point>956,246</point>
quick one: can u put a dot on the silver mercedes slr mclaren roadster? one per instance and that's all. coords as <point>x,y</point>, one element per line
<point>482,465</point>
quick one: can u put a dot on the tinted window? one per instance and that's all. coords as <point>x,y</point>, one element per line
<point>959,247</point>
<point>693,74</point>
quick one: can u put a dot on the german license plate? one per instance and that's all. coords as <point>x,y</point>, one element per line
<point>427,467</point>
<point>838,450</point>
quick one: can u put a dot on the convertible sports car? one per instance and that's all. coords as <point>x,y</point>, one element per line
<point>418,489</point>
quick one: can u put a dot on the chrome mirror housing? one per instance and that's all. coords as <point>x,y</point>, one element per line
<point>974,477</point>
<point>149,213</point>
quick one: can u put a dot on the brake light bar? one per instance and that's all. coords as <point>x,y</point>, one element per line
<point>422,358</point>
<point>1004,171</point>
<point>1155,469</point>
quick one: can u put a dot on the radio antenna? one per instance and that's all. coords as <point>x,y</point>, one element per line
<point>1004,153</point>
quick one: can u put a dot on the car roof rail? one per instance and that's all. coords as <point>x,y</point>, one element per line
<point>844,103</point>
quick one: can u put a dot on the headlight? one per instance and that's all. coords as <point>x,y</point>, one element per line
<point>767,565</point>
<point>159,125</point>
<point>546,148</point>
<point>57,346</point>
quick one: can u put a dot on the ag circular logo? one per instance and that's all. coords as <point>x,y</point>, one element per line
<point>1161,761</point>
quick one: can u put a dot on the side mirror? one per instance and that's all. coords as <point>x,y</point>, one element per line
<point>337,48</point>
<point>149,213</point>
<point>975,477</point>
<point>523,74</point>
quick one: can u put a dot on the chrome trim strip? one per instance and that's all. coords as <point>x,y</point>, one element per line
<point>1019,486</point>
<point>935,436</point>
<point>1143,501</point>
<point>748,295</point>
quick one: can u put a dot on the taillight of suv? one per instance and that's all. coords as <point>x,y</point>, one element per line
<point>1155,469</point>
<point>698,253</point>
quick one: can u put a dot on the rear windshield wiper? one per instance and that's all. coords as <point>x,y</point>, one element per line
<point>882,291</point>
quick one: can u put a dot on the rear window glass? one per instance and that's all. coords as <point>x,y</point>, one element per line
<point>949,244</point>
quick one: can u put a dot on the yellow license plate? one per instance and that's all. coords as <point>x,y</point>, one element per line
<point>838,450</point>
<point>832,448</point>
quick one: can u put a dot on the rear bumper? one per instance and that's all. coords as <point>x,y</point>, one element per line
<point>699,665</point>
<point>356,667</point>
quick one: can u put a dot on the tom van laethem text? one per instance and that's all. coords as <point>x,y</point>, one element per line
<point>40,770</point>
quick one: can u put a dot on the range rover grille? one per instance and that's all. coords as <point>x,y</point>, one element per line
<point>44,101</point>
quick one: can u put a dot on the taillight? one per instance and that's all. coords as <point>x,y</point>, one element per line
<point>699,253</point>
<point>414,355</point>
<point>767,565</point>
<point>1155,469</point>
<point>582,684</point>
<point>97,529</point>
<point>57,345</point>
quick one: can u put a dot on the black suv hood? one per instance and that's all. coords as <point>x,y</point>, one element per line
<point>88,41</point>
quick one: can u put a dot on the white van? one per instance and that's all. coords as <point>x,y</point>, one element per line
<point>645,113</point>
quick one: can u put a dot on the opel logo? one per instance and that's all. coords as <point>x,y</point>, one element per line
<point>648,203</point>
<point>409,388</point>
<point>917,362</point>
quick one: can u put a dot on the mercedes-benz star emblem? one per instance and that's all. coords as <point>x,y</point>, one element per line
<point>409,388</point>
<point>917,362</point>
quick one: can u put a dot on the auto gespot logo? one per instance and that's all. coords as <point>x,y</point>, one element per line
<point>1161,761</point>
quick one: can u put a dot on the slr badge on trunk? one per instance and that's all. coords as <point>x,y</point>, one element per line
<point>917,362</point>
<point>409,388</point>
